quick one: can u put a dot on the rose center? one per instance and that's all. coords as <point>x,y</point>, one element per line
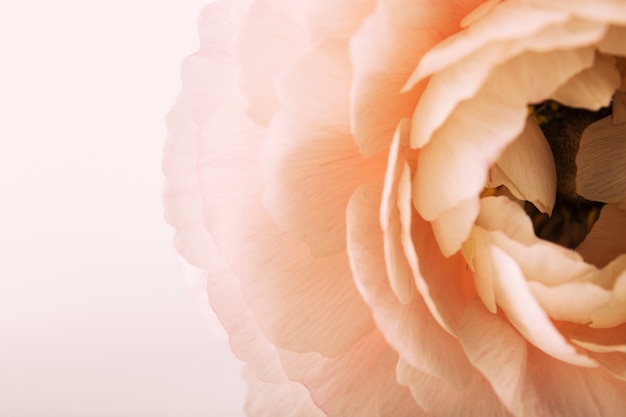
<point>572,216</point>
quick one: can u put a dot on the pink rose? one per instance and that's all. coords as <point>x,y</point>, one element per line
<point>389,198</point>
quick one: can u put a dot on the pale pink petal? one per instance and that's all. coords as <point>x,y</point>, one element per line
<point>606,240</point>
<point>329,18</point>
<point>361,382</point>
<point>395,35</point>
<point>272,35</point>
<point>573,302</point>
<point>210,75</point>
<point>182,199</point>
<point>518,303</point>
<point>526,168</point>
<point>404,325</point>
<point>270,399</point>
<point>438,398</point>
<point>592,88</point>
<point>498,351</point>
<point>297,300</point>
<point>453,167</point>
<point>601,162</point>
<point>208,78</point>
<point>311,164</point>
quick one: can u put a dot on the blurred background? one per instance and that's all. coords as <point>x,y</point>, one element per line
<point>95,317</point>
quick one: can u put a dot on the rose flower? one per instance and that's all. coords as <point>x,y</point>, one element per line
<point>410,208</point>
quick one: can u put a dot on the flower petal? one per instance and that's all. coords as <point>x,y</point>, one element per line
<point>310,162</point>
<point>271,36</point>
<point>601,162</point>
<point>296,299</point>
<point>439,399</point>
<point>498,351</point>
<point>526,168</point>
<point>592,88</point>
<point>518,303</point>
<point>403,325</point>
<point>395,35</point>
<point>606,241</point>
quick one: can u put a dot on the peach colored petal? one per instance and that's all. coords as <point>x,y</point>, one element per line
<point>476,252</point>
<point>361,382</point>
<point>395,35</point>
<point>601,162</point>
<point>403,325</point>
<point>270,399</point>
<point>539,260</point>
<point>602,10</point>
<point>439,399</point>
<point>398,268</point>
<point>606,241</point>
<point>573,302</point>
<point>592,88</point>
<point>278,274</point>
<point>453,166</point>
<point>272,35</point>
<point>526,315</point>
<point>613,41</point>
<point>498,25</point>
<point>498,351</point>
<point>600,340</point>
<point>519,81</point>
<point>614,312</point>
<point>452,227</point>
<point>556,388</point>
<point>526,168</point>
<point>311,165</point>
<point>462,80</point>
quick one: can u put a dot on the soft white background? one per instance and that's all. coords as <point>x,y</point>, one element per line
<point>95,318</point>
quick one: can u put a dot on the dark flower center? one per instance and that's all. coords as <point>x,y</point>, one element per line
<point>572,216</point>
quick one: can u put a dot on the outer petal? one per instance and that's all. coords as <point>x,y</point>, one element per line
<point>362,382</point>
<point>311,165</point>
<point>438,398</point>
<point>297,300</point>
<point>272,35</point>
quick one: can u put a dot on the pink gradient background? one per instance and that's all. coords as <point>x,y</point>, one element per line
<point>95,318</point>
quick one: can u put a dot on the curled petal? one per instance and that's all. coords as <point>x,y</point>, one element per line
<point>526,168</point>
<point>592,88</point>
<point>516,300</point>
<point>601,162</point>
<point>606,241</point>
<point>614,312</point>
<point>403,325</point>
